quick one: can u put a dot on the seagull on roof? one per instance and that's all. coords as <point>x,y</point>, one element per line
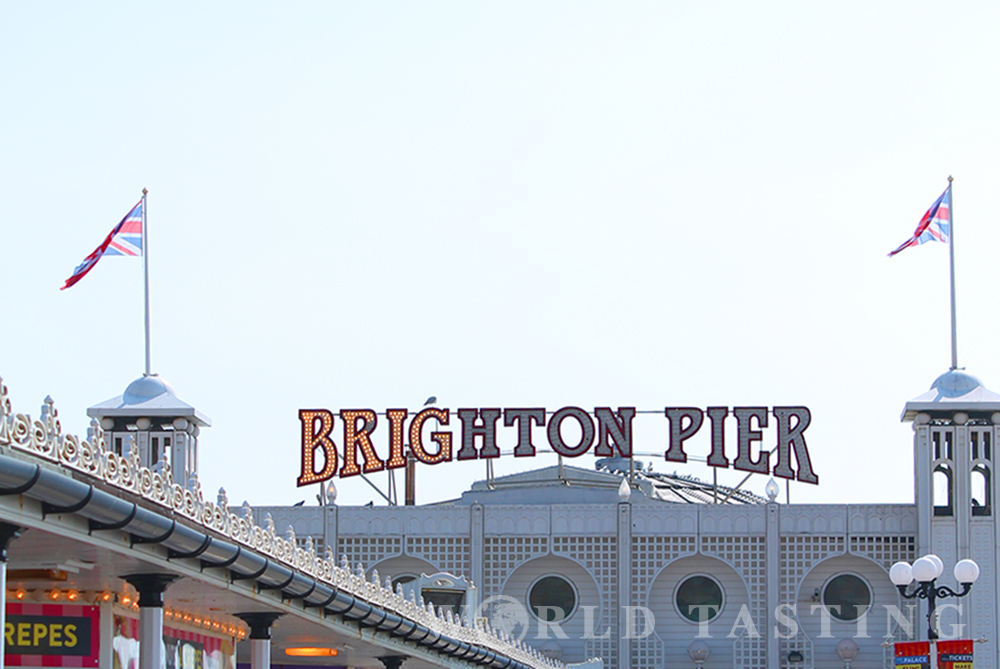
<point>431,400</point>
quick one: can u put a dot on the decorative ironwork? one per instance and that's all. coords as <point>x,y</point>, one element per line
<point>930,591</point>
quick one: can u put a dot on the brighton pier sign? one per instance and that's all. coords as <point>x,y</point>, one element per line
<point>603,431</point>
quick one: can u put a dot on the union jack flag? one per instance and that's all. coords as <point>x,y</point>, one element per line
<point>935,226</point>
<point>124,240</point>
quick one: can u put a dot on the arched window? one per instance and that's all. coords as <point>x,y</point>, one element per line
<point>943,491</point>
<point>402,579</point>
<point>981,498</point>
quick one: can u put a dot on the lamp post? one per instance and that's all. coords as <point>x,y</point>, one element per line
<point>699,652</point>
<point>926,571</point>
<point>847,650</point>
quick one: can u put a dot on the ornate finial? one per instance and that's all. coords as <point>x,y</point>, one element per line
<point>345,564</point>
<point>375,578</point>
<point>328,554</point>
<point>222,500</point>
<point>269,523</point>
<point>388,582</point>
<point>290,534</point>
<point>359,570</point>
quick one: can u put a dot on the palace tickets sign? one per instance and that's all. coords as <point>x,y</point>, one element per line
<point>602,432</point>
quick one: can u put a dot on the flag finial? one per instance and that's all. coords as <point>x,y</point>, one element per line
<point>950,179</point>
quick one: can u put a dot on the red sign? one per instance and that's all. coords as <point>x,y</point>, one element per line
<point>52,635</point>
<point>955,654</point>
<point>913,655</point>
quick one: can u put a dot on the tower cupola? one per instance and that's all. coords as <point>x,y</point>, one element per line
<point>150,417</point>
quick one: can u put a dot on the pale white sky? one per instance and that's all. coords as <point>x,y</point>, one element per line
<point>357,205</point>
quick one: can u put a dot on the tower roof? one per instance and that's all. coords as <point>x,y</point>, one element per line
<point>149,396</point>
<point>954,390</point>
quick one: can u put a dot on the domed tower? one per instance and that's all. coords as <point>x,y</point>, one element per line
<point>149,416</point>
<point>956,427</point>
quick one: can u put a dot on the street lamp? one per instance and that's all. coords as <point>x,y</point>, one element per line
<point>699,652</point>
<point>926,571</point>
<point>847,650</point>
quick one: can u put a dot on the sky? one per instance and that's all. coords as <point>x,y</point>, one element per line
<point>518,204</point>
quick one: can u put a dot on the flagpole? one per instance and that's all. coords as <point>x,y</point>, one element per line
<point>145,269</point>
<point>951,254</point>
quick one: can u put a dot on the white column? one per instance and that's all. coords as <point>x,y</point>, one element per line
<point>260,653</point>
<point>962,491</point>
<point>150,637</point>
<point>773,576</point>
<point>107,624</point>
<point>260,623</point>
<point>150,588</point>
<point>923,492</point>
<point>624,583</point>
<point>477,546</point>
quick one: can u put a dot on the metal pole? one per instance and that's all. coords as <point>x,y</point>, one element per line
<point>951,254</point>
<point>145,270</point>
<point>410,481</point>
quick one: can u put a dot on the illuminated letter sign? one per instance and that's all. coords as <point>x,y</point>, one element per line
<point>316,427</point>
<point>603,432</point>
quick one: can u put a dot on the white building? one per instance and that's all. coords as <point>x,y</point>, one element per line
<point>639,570</point>
<point>565,537</point>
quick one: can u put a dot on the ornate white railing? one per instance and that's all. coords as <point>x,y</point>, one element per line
<point>43,438</point>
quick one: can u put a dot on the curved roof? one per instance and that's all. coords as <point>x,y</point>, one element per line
<point>576,485</point>
<point>149,396</point>
<point>954,390</point>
